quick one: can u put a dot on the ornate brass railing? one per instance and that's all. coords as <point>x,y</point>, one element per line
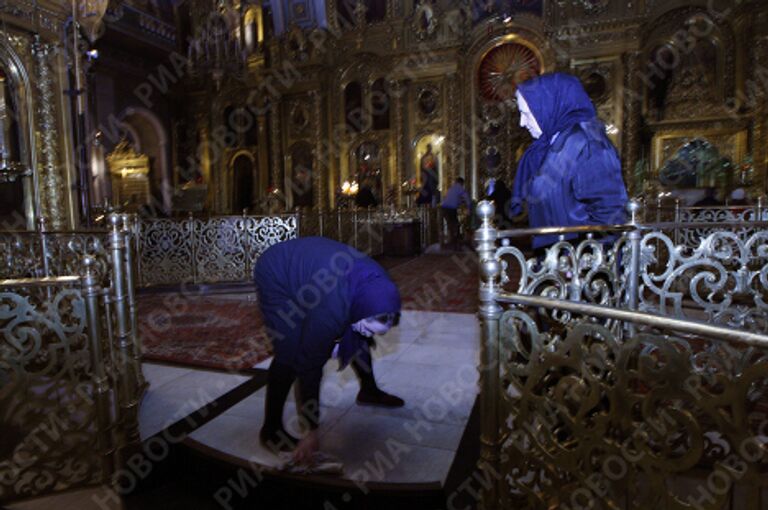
<point>70,373</point>
<point>688,225</point>
<point>589,401</point>
<point>212,250</point>
<point>365,229</point>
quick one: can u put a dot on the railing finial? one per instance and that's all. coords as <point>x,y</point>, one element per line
<point>633,208</point>
<point>485,211</point>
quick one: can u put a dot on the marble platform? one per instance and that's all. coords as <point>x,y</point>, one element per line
<point>430,360</point>
<point>176,392</point>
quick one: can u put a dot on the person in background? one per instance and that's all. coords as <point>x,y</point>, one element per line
<point>499,194</point>
<point>365,197</point>
<point>710,199</point>
<point>738,197</point>
<point>571,173</point>
<point>312,292</point>
<point>454,198</point>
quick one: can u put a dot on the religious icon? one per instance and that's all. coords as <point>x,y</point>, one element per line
<point>424,21</point>
<point>429,167</point>
<point>427,102</point>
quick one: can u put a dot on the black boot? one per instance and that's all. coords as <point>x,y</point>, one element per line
<point>377,397</point>
<point>370,394</point>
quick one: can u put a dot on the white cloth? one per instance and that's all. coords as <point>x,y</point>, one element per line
<point>321,463</point>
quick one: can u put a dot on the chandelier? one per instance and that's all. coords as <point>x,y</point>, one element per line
<point>217,50</point>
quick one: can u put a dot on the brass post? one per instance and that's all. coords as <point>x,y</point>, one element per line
<point>129,220</point>
<point>127,398</point>
<point>42,229</point>
<point>191,225</point>
<point>369,226</point>
<point>490,312</point>
<point>633,285</point>
<point>106,446</point>
<point>338,226</point>
<point>354,221</point>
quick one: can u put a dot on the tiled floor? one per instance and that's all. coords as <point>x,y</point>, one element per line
<point>430,360</point>
<point>175,392</point>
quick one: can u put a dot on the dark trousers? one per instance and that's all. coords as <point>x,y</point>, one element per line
<point>452,219</point>
<point>281,377</point>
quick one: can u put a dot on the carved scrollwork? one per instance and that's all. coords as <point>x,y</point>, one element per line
<point>46,393</point>
<point>587,271</point>
<point>722,280</point>
<point>214,250</point>
<point>631,412</point>
<point>33,255</point>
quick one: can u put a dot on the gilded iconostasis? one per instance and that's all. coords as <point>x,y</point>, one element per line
<point>247,106</point>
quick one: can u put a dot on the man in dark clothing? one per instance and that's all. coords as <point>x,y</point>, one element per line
<point>454,198</point>
<point>365,197</point>
<point>500,195</point>
<point>709,200</point>
<point>312,292</point>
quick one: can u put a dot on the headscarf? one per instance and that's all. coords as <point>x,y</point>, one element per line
<point>371,293</point>
<point>557,101</point>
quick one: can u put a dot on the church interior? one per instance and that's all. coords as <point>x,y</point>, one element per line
<point>151,151</point>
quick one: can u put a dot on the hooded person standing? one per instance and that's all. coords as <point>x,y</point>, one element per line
<point>571,174</point>
<point>315,295</point>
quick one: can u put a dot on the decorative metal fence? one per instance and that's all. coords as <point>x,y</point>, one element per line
<point>219,249</point>
<point>366,229</point>
<point>70,372</point>
<point>225,249</point>
<point>622,370</point>
<point>688,225</point>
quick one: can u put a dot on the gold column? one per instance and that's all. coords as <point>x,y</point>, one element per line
<point>397,89</point>
<point>760,133</point>
<point>52,199</point>
<point>318,165</point>
<point>450,169</point>
<point>263,155</point>
<point>632,99</point>
<point>276,146</point>
<point>490,384</point>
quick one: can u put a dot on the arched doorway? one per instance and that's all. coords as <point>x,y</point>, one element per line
<point>499,65</point>
<point>147,135</point>
<point>243,170</point>
<point>302,176</point>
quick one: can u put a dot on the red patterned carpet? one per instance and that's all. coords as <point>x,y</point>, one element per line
<point>439,283</point>
<point>213,332</point>
<point>226,332</point>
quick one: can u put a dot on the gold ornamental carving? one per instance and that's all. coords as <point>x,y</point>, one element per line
<point>130,176</point>
<point>52,189</point>
<point>632,104</point>
<point>319,166</point>
<point>398,89</point>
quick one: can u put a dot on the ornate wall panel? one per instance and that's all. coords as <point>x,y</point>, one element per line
<point>603,80</point>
